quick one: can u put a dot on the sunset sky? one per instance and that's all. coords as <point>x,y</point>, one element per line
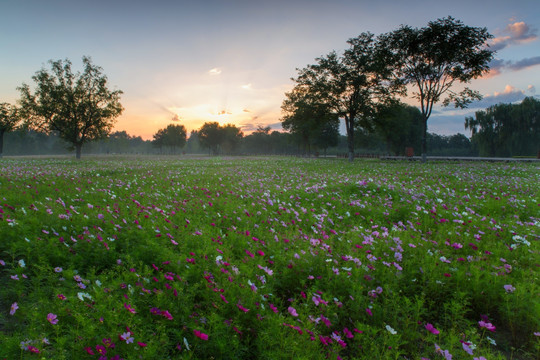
<point>231,61</point>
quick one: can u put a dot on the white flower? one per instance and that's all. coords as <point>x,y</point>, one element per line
<point>390,330</point>
<point>22,263</point>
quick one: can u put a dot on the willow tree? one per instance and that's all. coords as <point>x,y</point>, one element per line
<point>79,107</point>
<point>434,58</point>
<point>8,120</point>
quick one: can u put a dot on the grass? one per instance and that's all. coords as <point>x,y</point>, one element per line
<point>268,258</point>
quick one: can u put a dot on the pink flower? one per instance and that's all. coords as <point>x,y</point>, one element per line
<point>487,325</point>
<point>33,349</point>
<point>432,329</point>
<point>167,314</point>
<point>200,335</point>
<point>242,308</point>
<point>368,310</point>
<point>292,311</point>
<point>52,318</point>
<point>141,344</point>
<point>14,308</point>
<point>130,308</point>
<point>273,308</point>
<point>127,337</point>
<point>61,296</point>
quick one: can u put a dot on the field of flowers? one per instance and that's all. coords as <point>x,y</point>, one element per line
<point>268,259</point>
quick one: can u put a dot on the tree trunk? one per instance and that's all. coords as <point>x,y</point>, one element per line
<point>78,150</point>
<point>424,141</point>
<point>349,125</point>
<point>1,143</point>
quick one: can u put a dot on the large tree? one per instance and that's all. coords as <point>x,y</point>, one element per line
<point>172,136</point>
<point>351,85</point>
<point>305,116</point>
<point>80,107</point>
<point>210,136</point>
<point>8,120</point>
<point>434,58</point>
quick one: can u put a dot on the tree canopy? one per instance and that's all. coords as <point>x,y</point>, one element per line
<point>433,58</point>
<point>349,86</point>
<point>9,118</point>
<point>219,138</point>
<point>78,106</point>
<point>172,136</point>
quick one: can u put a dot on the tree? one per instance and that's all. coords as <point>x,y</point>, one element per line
<point>351,85</point>
<point>507,129</point>
<point>79,106</point>
<point>433,58</point>
<point>159,139</point>
<point>400,125</point>
<point>193,144</point>
<point>327,135</point>
<point>8,120</point>
<point>231,138</point>
<point>305,116</point>
<point>210,136</point>
<point>174,136</point>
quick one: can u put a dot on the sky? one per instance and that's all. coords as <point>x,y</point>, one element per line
<point>231,61</point>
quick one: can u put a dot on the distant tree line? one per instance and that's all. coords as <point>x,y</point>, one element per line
<point>262,141</point>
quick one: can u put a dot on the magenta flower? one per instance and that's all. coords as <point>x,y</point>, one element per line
<point>167,314</point>
<point>242,308</point>
<point>130,308</point>
<point>14,308</point>
<point>487,325</point>
<point>273,308</point>
<point>432,329</point>
<point>292,311</point>
<point>200,335</point>
<point>61,296</point>
<point>141,344</point>
<point>52,318</point>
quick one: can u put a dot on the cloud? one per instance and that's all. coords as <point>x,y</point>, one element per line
<point>514,34</point>
<point>214,71</point>
<point>531,89</point>
<point>524,63</point>
<point>246,86</point>
<point>497,66</point>
<point>509,95</point>
<point>175,118</point>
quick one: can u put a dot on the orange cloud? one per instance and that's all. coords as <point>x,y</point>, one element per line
<point>514,34</point>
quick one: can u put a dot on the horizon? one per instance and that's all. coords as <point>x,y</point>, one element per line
<point>232,62</point>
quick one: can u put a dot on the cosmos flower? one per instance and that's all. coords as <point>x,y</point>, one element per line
<point>14,308</point>
<point>52,318</point>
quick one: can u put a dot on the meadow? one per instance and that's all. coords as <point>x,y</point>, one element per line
<point>268,258</point>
